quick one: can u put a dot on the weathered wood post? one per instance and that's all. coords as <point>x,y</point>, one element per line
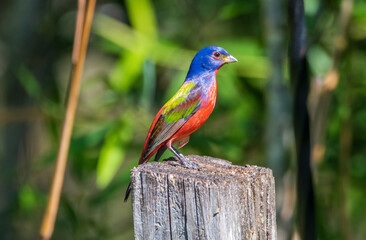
<point>219,201</point>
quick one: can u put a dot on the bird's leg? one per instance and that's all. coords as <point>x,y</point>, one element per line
<point>184,161</point>
<point>160,153</point>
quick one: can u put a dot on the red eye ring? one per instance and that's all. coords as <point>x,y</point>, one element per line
<point>216,55</point>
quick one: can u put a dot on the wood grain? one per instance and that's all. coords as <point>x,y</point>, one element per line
<point>219,201</point>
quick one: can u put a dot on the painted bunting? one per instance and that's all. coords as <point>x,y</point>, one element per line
<point>187,110</point>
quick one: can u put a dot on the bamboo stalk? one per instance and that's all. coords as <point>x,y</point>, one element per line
<point>80,20</point>
<point>54,197</point>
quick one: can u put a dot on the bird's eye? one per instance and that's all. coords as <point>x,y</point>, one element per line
<point>216,55</point>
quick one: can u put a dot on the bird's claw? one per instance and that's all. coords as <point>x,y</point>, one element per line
<point>188,164</point>
<point>175,161</point>
<point>172,161</point>
<point>193,165</point>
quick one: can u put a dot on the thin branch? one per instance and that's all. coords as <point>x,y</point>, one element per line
<point>80,18</point>
<point>54,198</point>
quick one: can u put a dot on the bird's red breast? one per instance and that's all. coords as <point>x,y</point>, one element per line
<point>196,121</point>
<point>192,124</point>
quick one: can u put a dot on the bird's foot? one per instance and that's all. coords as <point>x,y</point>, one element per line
<point>188,164</point>
<point>183,160</point>
<point>175,161</point>
<point>172,161</point>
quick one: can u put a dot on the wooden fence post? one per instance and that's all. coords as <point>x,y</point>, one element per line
<point>219,201</point>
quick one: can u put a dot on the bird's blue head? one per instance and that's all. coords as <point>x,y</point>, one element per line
<point>210,59</point>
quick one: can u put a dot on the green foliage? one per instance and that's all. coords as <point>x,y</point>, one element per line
<point>138,57</point>
<point>29,199</point>
<point>28,81</point>
<point>113,151</point>
<point>319,60</point>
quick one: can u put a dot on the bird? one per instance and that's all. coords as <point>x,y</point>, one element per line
<point>187,110</point>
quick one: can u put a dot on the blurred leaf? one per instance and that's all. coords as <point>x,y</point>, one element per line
<point>113,152</point>
<point>358,165</point>
<point>125,72</point>
<point>235,9</point>
<point>149,86</point>
<point>84,150</point>
<point>114,187</point>
<point>90,138</point>
<point>168,54</point>
<point>311,7</point>
<point>28,81</point>
<point>29,198</point>
<point>130,65</point>
<point>110,158</point>
<point>142,17</point>
<point>227,88</point>
<point>320,62</point>
<point>71,212</point>
<point>359,9</point>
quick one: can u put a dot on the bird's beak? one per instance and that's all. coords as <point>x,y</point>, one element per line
<point>229,59</point>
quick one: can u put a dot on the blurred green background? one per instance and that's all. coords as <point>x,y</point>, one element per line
<point>138,56</point>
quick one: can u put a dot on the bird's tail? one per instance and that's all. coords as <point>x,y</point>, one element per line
<point>128,191</point>
<point>143,158</point>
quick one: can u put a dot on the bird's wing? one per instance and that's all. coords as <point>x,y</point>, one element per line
<point>171,118</point>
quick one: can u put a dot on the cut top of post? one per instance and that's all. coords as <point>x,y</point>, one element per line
<point>213,169</point>
<point>218,201</point>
